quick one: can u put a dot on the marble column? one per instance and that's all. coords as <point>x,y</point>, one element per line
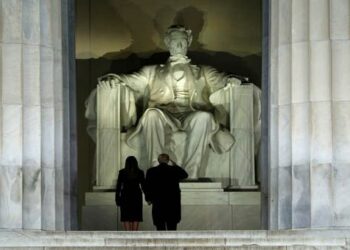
<point>309,114</point>
<point>31,115</point>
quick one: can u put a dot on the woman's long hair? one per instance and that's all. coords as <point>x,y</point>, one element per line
<point>131,167</point>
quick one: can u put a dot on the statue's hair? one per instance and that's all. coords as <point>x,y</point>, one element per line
<point>177,28</point>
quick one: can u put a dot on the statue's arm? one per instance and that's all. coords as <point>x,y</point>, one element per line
<point>219,84</point>
<point>137,81</point>
<point>217,80</point>
<point>132,87</point>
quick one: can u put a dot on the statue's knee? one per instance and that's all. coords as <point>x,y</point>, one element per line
<point>152,115</point>
<point>203,116</point>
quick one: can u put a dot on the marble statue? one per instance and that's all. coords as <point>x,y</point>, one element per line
<point>179,96</point>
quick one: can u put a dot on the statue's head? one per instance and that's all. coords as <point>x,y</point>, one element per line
<point>177,39</point>
<point>163,158</point>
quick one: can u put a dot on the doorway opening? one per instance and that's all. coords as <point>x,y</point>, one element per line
<point>121,37</point>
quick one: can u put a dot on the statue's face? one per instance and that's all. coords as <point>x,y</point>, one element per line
<point>178,44</point>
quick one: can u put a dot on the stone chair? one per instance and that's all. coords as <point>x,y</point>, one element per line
<point>108,112</point>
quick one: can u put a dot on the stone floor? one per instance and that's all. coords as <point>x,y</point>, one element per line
<point>205,206</point>
<point>259,239</point>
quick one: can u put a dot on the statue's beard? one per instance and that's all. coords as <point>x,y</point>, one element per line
<point>178,59</point>
<point>175,52</point>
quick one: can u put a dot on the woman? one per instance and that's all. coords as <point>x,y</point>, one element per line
<point>128,194</point>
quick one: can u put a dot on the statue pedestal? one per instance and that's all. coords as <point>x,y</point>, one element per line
<point>205,206</point>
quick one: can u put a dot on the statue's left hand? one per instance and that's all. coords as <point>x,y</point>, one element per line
<point>110,81</point>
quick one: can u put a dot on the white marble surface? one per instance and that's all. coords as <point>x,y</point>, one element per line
<point>47,77</point>
<point>300,24</point>
<point>211,171</point>
<point>254,239</point>
<point>192,194</point>
<point>284,145</point>
<point>244,198</point>
<point>11,135</point>
<point>201,210</point>
<point>242,161</point>
<point>32,208</point>
<point>46,23</point>
<point>31,22</point>
<point>340,21</point>
<point>321,133</point>
<point>11,197</point>
<point>320,71</point>
<point>11,73</point>
<point>300,72</point>
<point>301,200</point>
<point>58,77</point>
<point>284,197</point>
<point>322,214</point>
<point>12,22</point>
<point>47,137</point>
<point>31,75</point>
<point>48,198</point>
<point>245,217</point>
<point>60,191</point>
<point>309,115</point>
<point>111,150</point>
<point>204,198</point>
<point>284,75</point>
<point>341,135</point>
<point>32,182</point>
<point>202,217</point>
<point>56,23</point>
<point>300,133</point>
<point>31,136</point>
<point>194,217</point>
<point>200,185</point>
<point>284,21</point>
<point>319,20</point>
<point>341,175</point>
<point>340,72</point>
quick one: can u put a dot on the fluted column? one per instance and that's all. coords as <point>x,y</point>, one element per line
<point>310,113</point>
<point>31,115</point>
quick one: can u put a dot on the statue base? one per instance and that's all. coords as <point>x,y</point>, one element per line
<point>205,206</point>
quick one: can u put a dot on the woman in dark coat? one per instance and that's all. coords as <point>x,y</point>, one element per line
<point>128,194</point>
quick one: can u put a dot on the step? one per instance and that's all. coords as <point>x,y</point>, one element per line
<point>257,239</point>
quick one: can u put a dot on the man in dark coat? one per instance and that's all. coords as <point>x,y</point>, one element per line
<point>163,192</point>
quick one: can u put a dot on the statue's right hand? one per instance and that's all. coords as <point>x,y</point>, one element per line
<point>104,84</point>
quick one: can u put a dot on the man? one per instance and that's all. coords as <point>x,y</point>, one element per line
<point>163,192</point>
<point>177,95</point>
